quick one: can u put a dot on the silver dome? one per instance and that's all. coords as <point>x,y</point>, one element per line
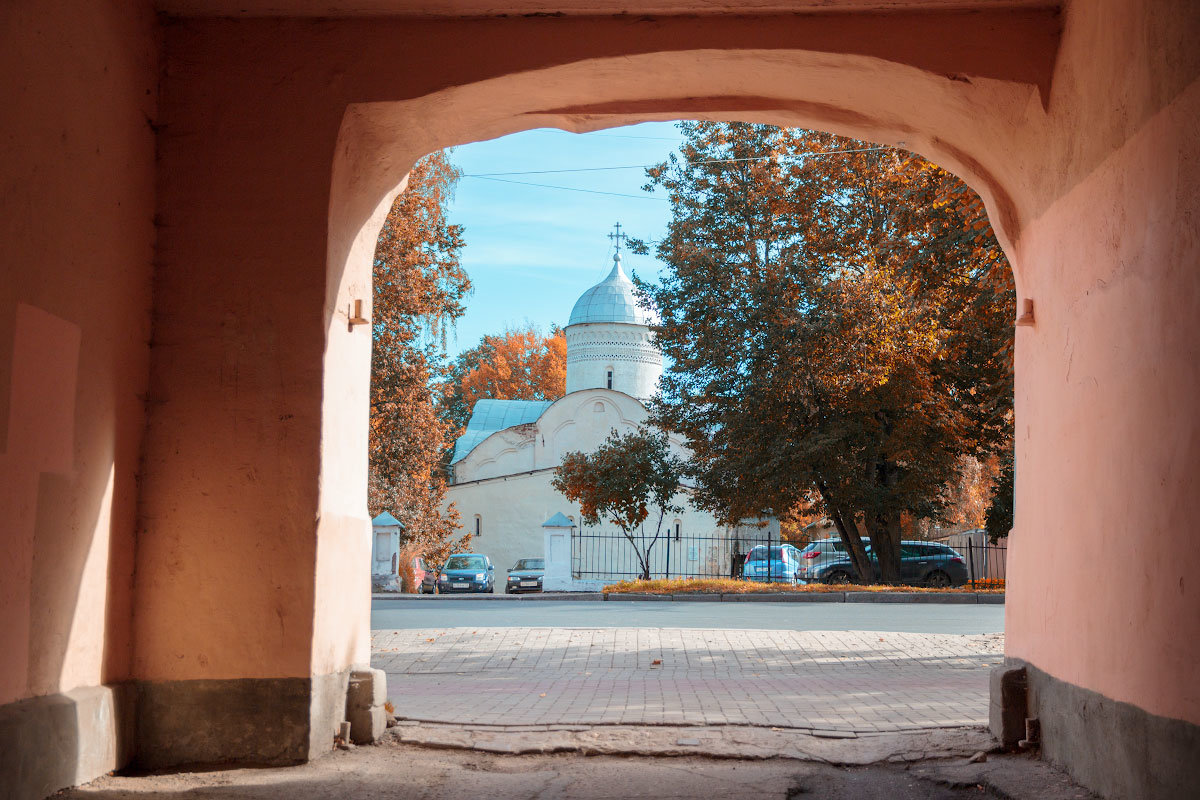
<point>612,300</point>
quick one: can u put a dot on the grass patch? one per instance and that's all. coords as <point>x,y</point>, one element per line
<point>734,586</point>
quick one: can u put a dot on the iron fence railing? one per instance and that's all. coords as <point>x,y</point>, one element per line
<point>600,554</point>
<point>610,555</point>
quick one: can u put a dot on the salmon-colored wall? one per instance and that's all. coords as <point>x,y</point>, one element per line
<point>1105,562</point>
<point>1081,165</point>
<point>279,146</point>
<point>78,91</point>
<point>253,557</point>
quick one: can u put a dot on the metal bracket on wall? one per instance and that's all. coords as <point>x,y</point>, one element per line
<point>357,317</point>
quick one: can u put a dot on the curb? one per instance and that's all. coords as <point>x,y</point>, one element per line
<point>957,598</point>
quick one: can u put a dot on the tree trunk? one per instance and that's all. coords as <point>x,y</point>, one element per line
<point>885,542</point>
<point>850,537</point>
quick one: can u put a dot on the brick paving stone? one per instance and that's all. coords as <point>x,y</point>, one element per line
<point>847,681</point>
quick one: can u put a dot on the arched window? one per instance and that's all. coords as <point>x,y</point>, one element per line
<point>478,525</point>
<point>678,529</point>
<point>608,377</point>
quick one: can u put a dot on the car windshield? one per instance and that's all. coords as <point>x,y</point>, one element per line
<point>465,562</point>
<point>760,554</point>
<point>531,563</point>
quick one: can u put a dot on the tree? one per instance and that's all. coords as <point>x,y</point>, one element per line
<point>837,319</point>
<point>419,288</point>
<point>999,519</point>
<point>519,364</point>
<point>624,481</point>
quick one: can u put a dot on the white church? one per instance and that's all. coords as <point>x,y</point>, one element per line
<point>504,462</point>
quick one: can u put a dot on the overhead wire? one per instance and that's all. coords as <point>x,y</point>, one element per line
<point>809,154</point>
<point>566,188</point>
<point>502,177</point>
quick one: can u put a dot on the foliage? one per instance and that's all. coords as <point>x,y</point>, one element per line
<point>519,364</point>
<point>408,575</point>
<point>419,288</point>
<point>836,325</point>
<point>735,586</point>
<point>626,479</point>
<point>969,493</point>
<point>999,518</point>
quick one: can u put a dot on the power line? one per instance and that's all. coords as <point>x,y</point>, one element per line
<point>808,154</point>
<point>566,188</point>
<point>628,136</point>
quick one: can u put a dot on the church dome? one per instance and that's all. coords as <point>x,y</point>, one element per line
<point>611,300</point>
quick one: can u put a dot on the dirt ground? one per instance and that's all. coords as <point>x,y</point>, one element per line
<point>396,771</point>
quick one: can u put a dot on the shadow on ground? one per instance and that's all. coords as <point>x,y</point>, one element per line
<point>397,772</point>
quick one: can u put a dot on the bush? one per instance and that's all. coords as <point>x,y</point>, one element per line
<point>408,577</point>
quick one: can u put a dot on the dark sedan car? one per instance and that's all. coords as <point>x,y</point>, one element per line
<point>467,572</point>
<point>526,576</point>
<point>926,563</point>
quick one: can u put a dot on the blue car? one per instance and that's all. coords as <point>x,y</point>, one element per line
<point>774,564</point>
<point>467,572</point>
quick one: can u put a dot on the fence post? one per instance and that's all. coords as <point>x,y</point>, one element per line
<point>971,560</point>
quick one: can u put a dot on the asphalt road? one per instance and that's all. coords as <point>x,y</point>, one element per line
<point>441,611</point>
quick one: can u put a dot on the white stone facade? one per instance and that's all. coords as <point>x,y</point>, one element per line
<point>613,355</point>
<point>502,488</point>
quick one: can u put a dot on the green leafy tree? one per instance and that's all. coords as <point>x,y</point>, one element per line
<point>837,317</point>
<point>629,479</point>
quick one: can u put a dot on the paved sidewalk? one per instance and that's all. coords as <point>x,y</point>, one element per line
<point>830,682</point>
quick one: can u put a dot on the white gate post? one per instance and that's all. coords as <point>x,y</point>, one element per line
<point>556,535</point>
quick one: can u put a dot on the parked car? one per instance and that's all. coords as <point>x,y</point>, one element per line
<point>929,563</point>
<point>526,576</point>
<point>467,572</point>
<point>821,554</point>
<point>773,564</point>
<point>426,576</point>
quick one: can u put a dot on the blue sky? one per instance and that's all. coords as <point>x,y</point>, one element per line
<point>531,251</point>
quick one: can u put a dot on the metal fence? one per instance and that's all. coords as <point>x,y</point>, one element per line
<point>986,561</point>
<point>609,555</point>
<point>600,554</point>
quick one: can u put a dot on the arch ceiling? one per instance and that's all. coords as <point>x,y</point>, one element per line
<point>493,8</point>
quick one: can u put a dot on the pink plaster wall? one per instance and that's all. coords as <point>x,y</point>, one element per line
<point>1105,563</point>
<point>280,145</point>
<point>77,88</point>
<point>251,521</point>
<point>1082,177</point>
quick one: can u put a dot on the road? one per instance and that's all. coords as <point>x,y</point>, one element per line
<point>455,612</point>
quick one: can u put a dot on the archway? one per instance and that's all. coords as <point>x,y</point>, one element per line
<point>1038,150</point>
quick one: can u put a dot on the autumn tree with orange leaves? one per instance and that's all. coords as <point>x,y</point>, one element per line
<point>419,289</point>
<point>837,320</point>
<point>519,364</point>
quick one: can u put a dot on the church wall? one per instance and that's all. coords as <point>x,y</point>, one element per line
<point>580,421</point>
<point>595,348</point>
<point>512,510</point>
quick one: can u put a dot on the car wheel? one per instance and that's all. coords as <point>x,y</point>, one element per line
<point>939,579</point>
<point>840,576</point>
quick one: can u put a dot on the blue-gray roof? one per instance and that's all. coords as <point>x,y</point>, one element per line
<point>559,520</point>
<point>611,300</point>
<point>489,416</point>
<point>384,520</point>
